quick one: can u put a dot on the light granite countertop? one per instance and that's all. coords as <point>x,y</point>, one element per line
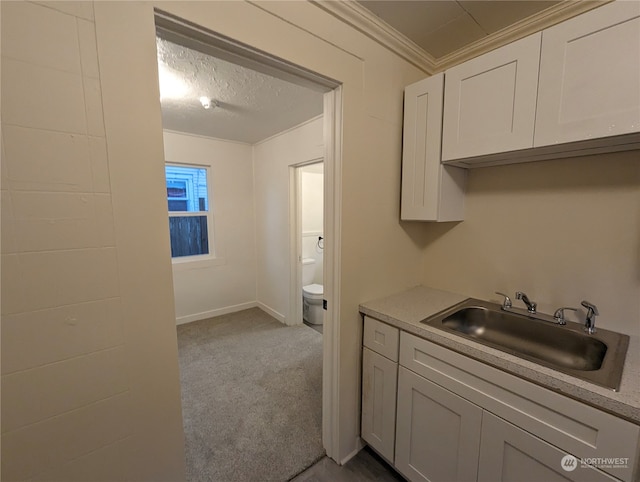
<point>405,311</point>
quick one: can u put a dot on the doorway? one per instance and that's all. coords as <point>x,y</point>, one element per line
<point>185,33</point>
<point>307,243</point>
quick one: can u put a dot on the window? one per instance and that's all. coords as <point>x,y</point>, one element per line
<point>189,214</point>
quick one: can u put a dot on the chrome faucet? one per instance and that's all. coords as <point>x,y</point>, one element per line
<point>531,305</point>
<point>558,316</point>
<point>590,320</point>
<point>506,304</point>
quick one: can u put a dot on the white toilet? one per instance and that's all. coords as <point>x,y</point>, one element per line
<point>311,294</point>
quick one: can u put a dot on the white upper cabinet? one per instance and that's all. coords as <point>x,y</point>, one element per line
<point>590,76</point>
<point>430,191</point>
<point>490,101</point>
<point>572,89</point>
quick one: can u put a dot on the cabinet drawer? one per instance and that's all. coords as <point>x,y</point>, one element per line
<point>381,338</point>
<point>572,426</point>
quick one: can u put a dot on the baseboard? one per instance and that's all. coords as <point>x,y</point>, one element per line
<point>217,312</point>
<point>278,316</point>
<point>359,447</point>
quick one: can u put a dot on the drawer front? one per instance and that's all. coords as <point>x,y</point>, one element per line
<point>381,338</point>
<point>579,429</point>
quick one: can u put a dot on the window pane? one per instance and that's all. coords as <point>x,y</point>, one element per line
<point>187,189</point>
<point>176,189</point>
<point>177,205</point>
<point>189,236</point>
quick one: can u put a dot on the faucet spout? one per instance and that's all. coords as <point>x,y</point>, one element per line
<point>590,321</point>
<point>531,305</point>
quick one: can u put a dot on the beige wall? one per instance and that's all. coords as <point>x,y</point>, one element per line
<point>272,159</point>
<point>90,384</point>
<point>137,434</point>
<point>93,313</point>
<point>562,231</point>
<point>227,281</point>
<point>378,255</point>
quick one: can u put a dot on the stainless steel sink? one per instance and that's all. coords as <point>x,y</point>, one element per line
<point>597,358</point>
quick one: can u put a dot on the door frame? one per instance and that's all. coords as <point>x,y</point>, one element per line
<point>183,32</point>
<point>295,239</point>
<point>332,274</point>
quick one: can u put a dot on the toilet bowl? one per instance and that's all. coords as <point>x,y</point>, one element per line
<point>312,304</point>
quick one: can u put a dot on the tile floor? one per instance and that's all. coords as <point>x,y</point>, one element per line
<point>365,466</point>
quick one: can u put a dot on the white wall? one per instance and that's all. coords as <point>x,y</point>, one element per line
<point>90,386</point>
<point>272,159</point>
<point>228,281</point>
<point>225,283</point>
<point>312,214</point>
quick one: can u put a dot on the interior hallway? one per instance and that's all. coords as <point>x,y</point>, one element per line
<point>251,397</point>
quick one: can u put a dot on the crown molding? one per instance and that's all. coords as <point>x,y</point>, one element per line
<point>363,20</point>
<point>535,23</point>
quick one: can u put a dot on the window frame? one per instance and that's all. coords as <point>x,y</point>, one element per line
<point>187,188</point>
<point>211,255</point>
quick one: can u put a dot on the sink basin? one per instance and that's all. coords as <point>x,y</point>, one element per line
<point>564,348</point>
<point>597,358</point>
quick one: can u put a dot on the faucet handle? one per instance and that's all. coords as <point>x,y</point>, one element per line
<point>590,320</point>
<point>507,301</point>
<point>558,316</point>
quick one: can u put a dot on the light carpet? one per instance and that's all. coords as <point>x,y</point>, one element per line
<point>251,398</point>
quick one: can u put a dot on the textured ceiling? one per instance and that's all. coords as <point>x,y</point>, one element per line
<point>441,27</point>
<point>251,106</point>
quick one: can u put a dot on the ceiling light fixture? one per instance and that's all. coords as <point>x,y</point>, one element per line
<point>208,103</point>
<point>171,84</point>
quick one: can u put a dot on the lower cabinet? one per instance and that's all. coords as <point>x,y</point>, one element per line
<point>437,415</point>
<point>443,437</point>
<point>508,454</point>
<point>379,376</point>
<point>438,432</point>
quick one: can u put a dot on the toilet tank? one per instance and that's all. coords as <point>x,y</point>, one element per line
<point>308,270</point>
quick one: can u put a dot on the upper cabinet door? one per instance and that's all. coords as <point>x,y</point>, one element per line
<point>490,101</point>
<point>590,76</point>
<point>430,191</point>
